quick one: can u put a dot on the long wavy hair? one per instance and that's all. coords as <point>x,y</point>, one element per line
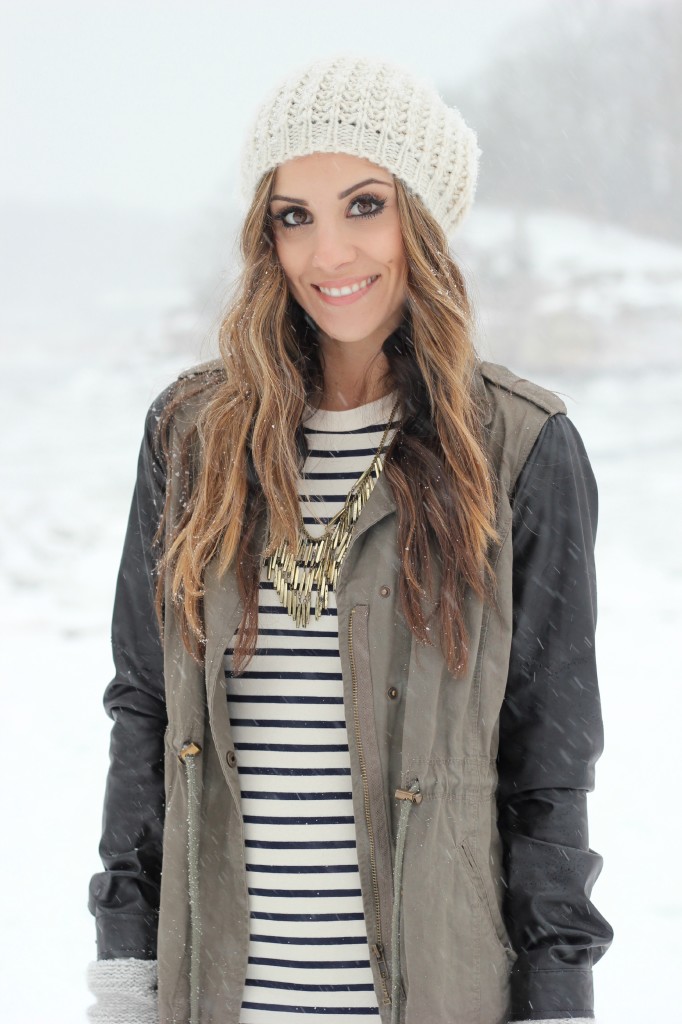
<point>436,465</point>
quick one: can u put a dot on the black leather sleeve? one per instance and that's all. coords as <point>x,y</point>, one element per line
<point>125,896</point>
<point>551,733</point>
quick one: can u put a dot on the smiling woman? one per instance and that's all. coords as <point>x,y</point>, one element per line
<point>355,707</point>
<point>341,250</point>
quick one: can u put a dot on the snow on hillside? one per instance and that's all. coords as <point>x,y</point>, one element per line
<point>598,269</point>
<point>558,289</point>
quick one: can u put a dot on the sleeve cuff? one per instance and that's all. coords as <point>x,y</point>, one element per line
<point>121,935</point>
<point>125,991</point>
<point>542,995</point>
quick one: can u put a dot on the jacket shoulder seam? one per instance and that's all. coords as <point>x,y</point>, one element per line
<point>201,369</point>
<point>190,387</point>
<point>520,387</point>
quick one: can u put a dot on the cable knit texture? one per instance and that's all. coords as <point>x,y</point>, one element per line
<point>375,110</point>
<point>125,991</point>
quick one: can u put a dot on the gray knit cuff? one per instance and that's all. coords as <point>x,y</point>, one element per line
<point>560,1020</point>
<point>125,991</point>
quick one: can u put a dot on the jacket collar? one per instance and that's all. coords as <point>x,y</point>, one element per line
<point>480,394</point>
<point>381,503</point>
<point>222,612</point>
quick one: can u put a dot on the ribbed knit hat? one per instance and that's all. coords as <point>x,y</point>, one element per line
<point>375,110</point>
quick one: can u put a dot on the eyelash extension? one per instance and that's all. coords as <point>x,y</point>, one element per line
<point>377,200</point>
<point>283,213</point>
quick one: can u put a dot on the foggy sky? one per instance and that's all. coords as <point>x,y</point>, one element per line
<point>145,104</point>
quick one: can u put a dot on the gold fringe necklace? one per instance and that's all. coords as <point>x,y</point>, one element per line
<point>317,560</point>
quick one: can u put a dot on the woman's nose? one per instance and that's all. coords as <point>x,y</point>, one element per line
<point>332,248</point>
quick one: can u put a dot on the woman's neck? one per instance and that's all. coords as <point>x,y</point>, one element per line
<point>351,380</point>
<point>340,399</point>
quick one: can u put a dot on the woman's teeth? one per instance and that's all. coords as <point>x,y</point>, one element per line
<point>348,289</point>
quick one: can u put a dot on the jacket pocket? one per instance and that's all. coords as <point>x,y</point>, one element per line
<point>487,901</point>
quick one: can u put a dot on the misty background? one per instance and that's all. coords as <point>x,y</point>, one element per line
<point>119,205</point>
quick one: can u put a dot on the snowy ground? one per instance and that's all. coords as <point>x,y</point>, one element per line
<point>73,422</point>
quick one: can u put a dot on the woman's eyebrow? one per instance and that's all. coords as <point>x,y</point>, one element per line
<point>361,184</point>
<point>288,199</point>
<point>342,195</point>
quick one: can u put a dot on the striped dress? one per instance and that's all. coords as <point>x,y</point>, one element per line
<point>308,957</point>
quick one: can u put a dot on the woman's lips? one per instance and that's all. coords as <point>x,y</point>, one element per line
<point>346,300</point>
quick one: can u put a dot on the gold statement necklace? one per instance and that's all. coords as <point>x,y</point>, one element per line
<point>317,560</point>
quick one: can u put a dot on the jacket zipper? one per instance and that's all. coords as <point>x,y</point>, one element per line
<point>377,947</point>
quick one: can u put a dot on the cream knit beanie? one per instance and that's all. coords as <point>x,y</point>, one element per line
<point>375,110</point>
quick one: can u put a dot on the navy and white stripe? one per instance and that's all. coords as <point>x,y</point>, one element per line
<point>308,954</point>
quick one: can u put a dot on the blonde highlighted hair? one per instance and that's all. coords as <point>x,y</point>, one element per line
<point>436,465</point>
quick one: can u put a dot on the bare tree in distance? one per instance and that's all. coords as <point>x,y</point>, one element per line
<point>582,111</point>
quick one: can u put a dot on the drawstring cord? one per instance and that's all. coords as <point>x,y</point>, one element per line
<point>188,755</point>
<point>408,796</point>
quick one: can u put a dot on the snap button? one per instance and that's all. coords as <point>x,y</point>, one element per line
<point>231,758</point>
<point>392,692</point>
<point>384,591</point>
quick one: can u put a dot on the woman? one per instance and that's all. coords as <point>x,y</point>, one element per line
<point>372,693</point>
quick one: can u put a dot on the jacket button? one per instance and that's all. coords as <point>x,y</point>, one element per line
<point>231,758</point>
<point>392,692</point>
<point>384,591</point>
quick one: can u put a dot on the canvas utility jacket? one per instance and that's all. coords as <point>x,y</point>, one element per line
<point>496,922</point>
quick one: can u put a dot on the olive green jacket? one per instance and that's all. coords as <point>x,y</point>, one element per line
<point>434,748</point>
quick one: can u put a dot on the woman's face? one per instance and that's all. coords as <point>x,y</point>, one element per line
<point>337,236</point>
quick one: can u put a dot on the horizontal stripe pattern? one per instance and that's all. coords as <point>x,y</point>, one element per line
<point>308,957</point>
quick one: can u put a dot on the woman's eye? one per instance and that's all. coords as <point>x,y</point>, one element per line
<point>297,216</point>
<point>292,218</point>
<point>367,206</point>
